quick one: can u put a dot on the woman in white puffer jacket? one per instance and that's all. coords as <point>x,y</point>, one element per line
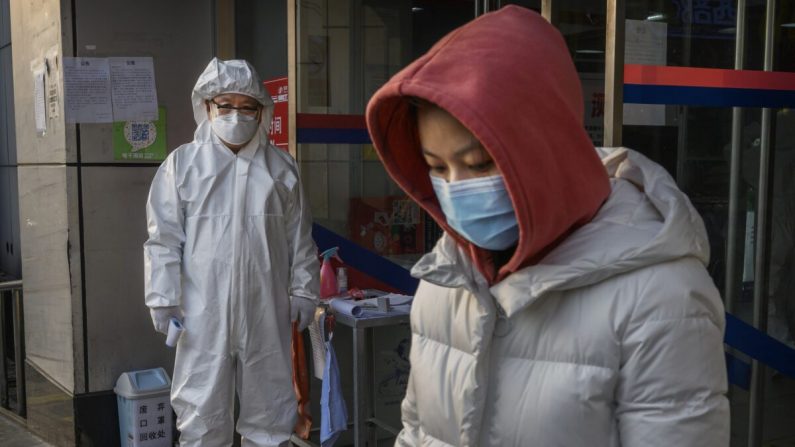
<point>568,302</point>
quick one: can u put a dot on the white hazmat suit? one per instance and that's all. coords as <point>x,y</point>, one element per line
<point>230,244</point>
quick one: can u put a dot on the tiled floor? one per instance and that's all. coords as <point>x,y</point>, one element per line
<point>14,435</point>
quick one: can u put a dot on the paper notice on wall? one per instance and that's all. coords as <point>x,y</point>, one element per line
<point>39,105</point>
<point>133,89</point>
<point>646,44</point>
<point>53,108</point>
<point>53,67</point>
<point>87,90</point>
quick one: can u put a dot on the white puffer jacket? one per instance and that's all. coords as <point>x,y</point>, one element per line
<point>613,339</point>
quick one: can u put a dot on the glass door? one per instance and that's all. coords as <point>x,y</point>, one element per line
<point>347,49</point>
<point>719,118</point>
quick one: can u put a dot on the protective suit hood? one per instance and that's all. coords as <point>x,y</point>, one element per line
<point>232,76</point>
<point>517,90</point>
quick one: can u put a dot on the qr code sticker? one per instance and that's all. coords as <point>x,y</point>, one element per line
<point>140,134</point>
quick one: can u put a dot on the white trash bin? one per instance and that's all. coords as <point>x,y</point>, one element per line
<point>144,404</point>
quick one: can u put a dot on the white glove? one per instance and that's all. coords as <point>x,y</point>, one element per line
<point>162,315</point>
<point>302,310</point>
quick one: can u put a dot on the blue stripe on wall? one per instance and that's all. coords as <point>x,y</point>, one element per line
<point>739,334</point>
<point>739,372</point>
<point>760,346</point>
<point>707,96</point>
<point>333,136</point>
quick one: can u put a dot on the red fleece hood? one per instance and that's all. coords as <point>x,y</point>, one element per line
<point>508,77</point>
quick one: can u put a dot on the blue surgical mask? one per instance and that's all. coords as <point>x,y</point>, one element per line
<point>480,210</point>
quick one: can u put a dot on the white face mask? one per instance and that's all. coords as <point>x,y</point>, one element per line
<point>235,128</point>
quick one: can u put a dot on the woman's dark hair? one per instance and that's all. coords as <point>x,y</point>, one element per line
<point>416,103</point>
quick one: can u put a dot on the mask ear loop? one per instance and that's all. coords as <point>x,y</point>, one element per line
<point>260,113</point>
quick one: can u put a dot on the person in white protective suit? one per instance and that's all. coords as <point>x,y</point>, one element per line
<point>230,252</point>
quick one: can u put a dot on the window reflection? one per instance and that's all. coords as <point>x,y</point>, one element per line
<point>347,49</point>
<point>694,144</point>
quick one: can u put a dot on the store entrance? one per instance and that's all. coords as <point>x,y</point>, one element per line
<point>346,50</point>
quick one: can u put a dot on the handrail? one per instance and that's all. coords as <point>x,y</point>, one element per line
<point>10,285</point>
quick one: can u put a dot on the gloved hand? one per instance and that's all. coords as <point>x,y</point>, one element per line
<point>302,310</point>
<point>162,315</point>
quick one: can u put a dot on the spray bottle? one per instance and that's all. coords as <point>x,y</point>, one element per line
<point>328,281</point>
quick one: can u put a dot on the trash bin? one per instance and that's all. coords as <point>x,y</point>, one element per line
<point>144,408</point>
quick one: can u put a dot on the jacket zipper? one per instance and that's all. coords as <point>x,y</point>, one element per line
<point>233,277</point>
<point>503,326</point>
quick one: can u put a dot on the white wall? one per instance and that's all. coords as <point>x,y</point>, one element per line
<point>64,180</point>
<point>47,204</point>
<point>178,35</point>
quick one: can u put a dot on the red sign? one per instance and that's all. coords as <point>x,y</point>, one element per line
<point>279,128</point>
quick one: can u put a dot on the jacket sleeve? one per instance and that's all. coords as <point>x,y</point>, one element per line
<point>672,383</point>
<point>409,436</point>
<point>163,250</point>
<point>305,269</point>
